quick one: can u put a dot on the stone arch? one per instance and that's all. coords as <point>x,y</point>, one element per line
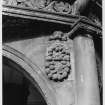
<point>31,71</point>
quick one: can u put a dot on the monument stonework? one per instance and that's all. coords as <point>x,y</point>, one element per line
<point>58,45</point>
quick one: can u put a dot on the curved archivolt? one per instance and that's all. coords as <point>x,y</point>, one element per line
<point>31,72</point>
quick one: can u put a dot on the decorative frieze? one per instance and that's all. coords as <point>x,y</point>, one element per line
<point>46,5</point>
<point>58,57</point>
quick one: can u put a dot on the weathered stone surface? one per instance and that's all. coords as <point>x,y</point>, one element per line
<point>86,73</point>
<point>65,94</point>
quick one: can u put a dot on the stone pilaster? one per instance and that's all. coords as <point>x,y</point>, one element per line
<point>87,89</point>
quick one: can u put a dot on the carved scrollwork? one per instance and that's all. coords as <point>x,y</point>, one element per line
<point>58,65</point>
<point>46,5</point>
<point>59,7</point>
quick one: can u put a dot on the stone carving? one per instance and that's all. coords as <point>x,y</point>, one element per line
<point>58,65</point>
<point>58,35</point>
<point>46,5</point>
<point>73,7</point>
<point>59,7</point>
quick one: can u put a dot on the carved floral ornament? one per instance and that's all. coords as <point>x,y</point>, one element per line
<point>58,65</point>
<point>46,5</point>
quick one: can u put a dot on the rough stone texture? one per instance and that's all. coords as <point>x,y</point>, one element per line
<point>66,94</point>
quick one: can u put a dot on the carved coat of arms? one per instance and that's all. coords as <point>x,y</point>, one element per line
<point>58,58</point>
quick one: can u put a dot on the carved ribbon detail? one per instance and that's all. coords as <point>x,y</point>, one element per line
<point>58,64</point>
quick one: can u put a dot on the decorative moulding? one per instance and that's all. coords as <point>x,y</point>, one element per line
<point>50,11</point>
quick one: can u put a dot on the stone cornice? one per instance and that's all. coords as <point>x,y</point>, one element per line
<point>73,21</point>
<point>39,14</point>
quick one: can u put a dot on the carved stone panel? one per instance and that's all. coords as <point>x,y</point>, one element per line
<point>58,57</point>
<point>46,5</point>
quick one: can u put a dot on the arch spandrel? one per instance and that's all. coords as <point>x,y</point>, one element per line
<point>60,89</point>
<point>34,49</point>
<point>31,71</point>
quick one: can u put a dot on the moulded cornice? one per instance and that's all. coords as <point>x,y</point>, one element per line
<point>74,21</point>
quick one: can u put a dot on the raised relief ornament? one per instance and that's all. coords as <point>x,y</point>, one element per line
<point>58,65</point>
<point>45,5</point>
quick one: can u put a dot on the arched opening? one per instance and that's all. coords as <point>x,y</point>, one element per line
<point>18,89</point>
